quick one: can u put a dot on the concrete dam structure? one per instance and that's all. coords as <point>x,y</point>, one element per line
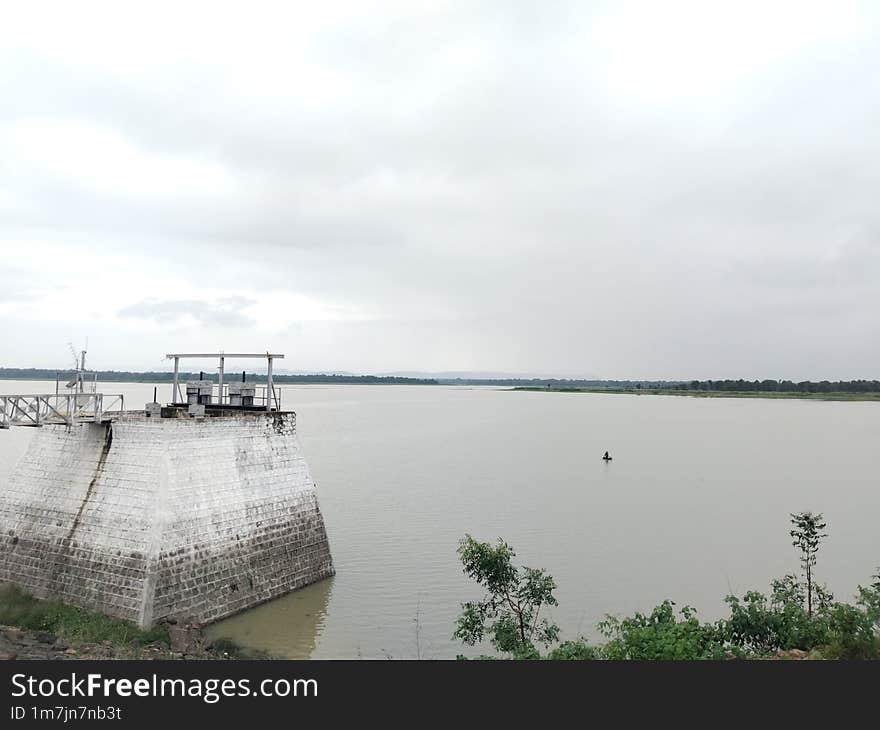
<point>194,510</point>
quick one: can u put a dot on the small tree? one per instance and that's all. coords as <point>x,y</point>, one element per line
<point>511,609</point>
<point>807,534</point>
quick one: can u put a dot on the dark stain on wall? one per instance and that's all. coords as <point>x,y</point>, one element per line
<point>65,554</point>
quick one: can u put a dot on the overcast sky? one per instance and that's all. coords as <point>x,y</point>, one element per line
<point>621,190</point>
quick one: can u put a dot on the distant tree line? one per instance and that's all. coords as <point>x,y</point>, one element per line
<point>561,383</point>
<point>785,386</point>
<point>743,386</point>
<point>126,376</point>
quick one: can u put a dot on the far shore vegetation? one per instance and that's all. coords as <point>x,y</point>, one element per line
<point>127,376</point>
<point>849,390</point>
<point>817,390</point>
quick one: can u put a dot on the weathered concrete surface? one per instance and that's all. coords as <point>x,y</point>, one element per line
<point>148,518</point>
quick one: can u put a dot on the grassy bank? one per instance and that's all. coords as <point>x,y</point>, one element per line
<point>71,623</point>
<point>713,393</point>
<point>31,628</point>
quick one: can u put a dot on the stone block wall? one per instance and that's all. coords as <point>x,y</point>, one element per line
<point>148,518</point>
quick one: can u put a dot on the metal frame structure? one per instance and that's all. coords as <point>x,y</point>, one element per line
<point>79,406</point>
<point>63,409</point>
<point>75,406</point>
<point>177,398</point>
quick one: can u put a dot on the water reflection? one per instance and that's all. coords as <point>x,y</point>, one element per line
<point>288,627</point>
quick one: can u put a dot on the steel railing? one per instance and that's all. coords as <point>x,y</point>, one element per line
<point>57,408</point>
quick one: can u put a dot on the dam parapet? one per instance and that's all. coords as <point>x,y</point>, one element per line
<point>164,513</point>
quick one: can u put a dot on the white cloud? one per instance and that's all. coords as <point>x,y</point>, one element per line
<point>103,162</point>
<point>600,188</point>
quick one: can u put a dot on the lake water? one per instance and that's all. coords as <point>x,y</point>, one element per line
<point>694,505</point>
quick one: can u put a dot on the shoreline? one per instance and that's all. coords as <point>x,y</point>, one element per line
<point>771,395</point>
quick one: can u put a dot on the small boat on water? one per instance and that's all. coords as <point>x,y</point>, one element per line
<point>607,457</point>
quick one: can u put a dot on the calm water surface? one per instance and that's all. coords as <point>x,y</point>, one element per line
<point>694,505</point>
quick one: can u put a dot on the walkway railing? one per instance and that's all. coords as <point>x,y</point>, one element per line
<point>60,408</point>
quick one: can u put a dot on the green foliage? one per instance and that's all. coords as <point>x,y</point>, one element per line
<point>851,633</point>
<point>869,599</point>
<point>661,635</point>
<point>796,615</point>
<point>835,630</point>
<point>18,608</point>
<point>510,612</point>
<point>578,650</point>
<point>807,534</point>
<point>575,650</point>
<point>788,620</point>
<point>784,386</point>
<point>849,392</point>
<point>787,591</point>
<point>758,625</point>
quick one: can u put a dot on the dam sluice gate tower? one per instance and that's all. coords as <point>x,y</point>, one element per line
<point>193,510</point>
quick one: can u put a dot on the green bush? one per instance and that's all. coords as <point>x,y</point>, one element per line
<point>575,650</point>
<point>758,625</point>
<point>835,630</point>
<point>661,635</point>
<point>851,633</point>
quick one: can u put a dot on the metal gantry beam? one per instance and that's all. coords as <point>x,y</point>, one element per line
<point>181,355</point>
<point>270,356</point>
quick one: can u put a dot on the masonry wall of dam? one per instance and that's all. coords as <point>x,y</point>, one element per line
<point>146,518</point>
